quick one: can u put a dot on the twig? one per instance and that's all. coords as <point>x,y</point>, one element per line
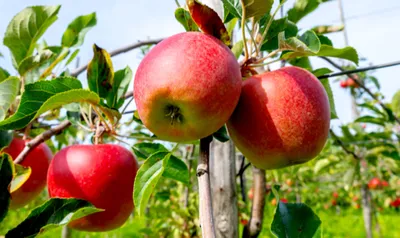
<point>353,71</point>
<point>203,177</point>
<point>120,51</point>
<point>246,50</point>
<point>242,179</point>
<point>242,169</point>
<point>41,138</point>
<point>343,146</point>
<point>361,84</point>
<point>128,94</point>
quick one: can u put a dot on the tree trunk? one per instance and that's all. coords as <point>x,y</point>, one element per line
<point>223,187</point>
<point>367,209</point>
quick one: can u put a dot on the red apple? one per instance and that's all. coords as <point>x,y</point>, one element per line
<point>343,84</point>
<point>374,183</point>
<point>284,200</point>
<point>334,202</point>
<point>335,194</point>
<point>282,118</point>
<point>101,174</point>
<point>384,183</point>
<point>250,194</point>
<point>187,87</point>
<point>395,203</point>
<point>244,222</point>
<point>351,83</point>
<point>38,160</point>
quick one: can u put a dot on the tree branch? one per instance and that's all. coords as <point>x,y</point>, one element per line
<point>121,50</point>
<point>203,177</point>
<point>361,84</point>
<point>341,144</point>
<point>40,139</point>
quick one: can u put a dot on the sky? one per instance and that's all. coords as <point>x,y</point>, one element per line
<point>372,29</point>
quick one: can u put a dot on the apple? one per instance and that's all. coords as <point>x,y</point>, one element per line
<point>38,160</point>
<point>357,206</point>
<point>284,200</point>
<point>395,203</point>
<point>374,183</point>
<point>384,183</point>
<point>250,194</point>
<point>282,118</point>
<point>244,222</point>
<point>335,194</point>
<point>187,87</point>
<point>273,202</point>
<point>101,174</point>
<point>334,202</point>
<point>289,182</point>
<point>343,84</point>
<point>351,83</point>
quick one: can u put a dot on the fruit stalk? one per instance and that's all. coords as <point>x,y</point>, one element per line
<point>206,210</point>
<point>254,227</point>
<point>40,139</point>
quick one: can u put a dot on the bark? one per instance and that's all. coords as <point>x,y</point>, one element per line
<point>367,210</point>
<point>223,187</point>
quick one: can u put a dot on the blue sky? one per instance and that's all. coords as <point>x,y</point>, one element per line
<point>372,29</point>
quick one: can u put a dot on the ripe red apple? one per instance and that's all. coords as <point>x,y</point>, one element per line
<point>384,183</point>
<point>374,183</point>
<point>395,203</point>
<point>38,160</point>
<point>343,84</point>
<point>284,200</point>
<point>101,174</point>
<point>282,118</point>
<point>335,194</point>
<point>334,202</point>
<point>351,83</point>
<point>187,87</point>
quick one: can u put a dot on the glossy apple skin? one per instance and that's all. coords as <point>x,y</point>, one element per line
<point>282,118</point>
<point>38,160</point>
<point>101,174</point>
<point>191,71</point>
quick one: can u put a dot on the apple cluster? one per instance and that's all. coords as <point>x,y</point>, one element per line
<point>190,85</point>
<point>349,83</point>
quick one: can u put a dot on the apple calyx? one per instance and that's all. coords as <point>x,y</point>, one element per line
<point>174,113</point>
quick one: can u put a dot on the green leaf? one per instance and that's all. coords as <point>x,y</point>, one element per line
<point>394,154</point>
<point>5,139</point>
<point>35,61</point>
<point>237,49</point>
<point>72,57</point>
<point>232,9</point>
<point>100,72</point>
<point>308,43</point>
<point>20,176</point>
<point>176,169</point>
<point>143,150</point>
<point>325,40</point>
<point>257,8</point>
<point>6,174</point>
<point>348,53</point>
<point>221,134</point>
<point>301,9</point>
<point>77,29</point>
<point>147,178</point>
<point>327,86</point>
<point>9,89</point>
<point>183,16</point>
<point>26,28</point>
<point>3,74</point>
<point>294,220</point>
<point>372,120</point>
<point>325,29</point>
<point>42,96</point>
<point>54,213</point>
<point>303,62</point>
<point>280,25</point>
<point>122,78</point>
<point>396,103</point>
<point>321,71</point>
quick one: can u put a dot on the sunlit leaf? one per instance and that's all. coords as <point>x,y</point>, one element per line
<point>9,89</point>
<point>77,29</point>
<point>184,17</point>
<point>20,176</point>
<point>176,169</point>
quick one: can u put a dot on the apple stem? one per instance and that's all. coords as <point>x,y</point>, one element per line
<point>254,227</point>
<point>203,177</point>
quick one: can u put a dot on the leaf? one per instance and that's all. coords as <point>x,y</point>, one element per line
<point>183,17</point>
<point>77,29</point>
<point>324,40</point>
<point>372,120</point>
<point>321,71</point>
<point>26,28</point>
<point>327,86</point>
<point>72,57</point>
<point>100,72</point>
<point>122,78</point>
<point>232,9</point>
<point>348,53</point>
<point>302,8</point>
<point>9,89</point>
<point>280,25</point>
<point>237,49</point>
<point>176,169</point>
<point>147,178</point>
<point>42,96</point>
<point>143,150</point>
<point>396,103</point>
<point>208,21</point>
<point>394,154</point>
<point>20,176</point>
<point>54,213</point>
<point>5,139</point>
<point>303,62</point>
<point>294,220</point>
<point>308,43</point>
<point>325,29</point>
<point>3,74</point>
<point>321,164</point>
<point>35,61</point>
<point>221,134</point>
<point>257,8</point>
<point>6,174</point>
